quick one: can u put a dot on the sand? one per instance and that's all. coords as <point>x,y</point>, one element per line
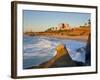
<point>79,38</point>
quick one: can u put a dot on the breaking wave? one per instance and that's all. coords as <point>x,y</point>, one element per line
<point>39,49</point>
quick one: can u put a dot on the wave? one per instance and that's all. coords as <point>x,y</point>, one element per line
<point>41,49</point>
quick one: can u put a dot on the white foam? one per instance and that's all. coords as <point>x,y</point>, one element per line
<point>45,47</point>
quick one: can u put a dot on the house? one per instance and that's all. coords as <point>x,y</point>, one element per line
<point>63,26</point>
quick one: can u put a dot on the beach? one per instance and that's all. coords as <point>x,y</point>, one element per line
<point>78,38</point>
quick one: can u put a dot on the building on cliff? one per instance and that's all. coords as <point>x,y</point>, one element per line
<point>63,26</point>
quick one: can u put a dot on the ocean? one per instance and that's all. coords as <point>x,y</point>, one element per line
<point>38,49</point>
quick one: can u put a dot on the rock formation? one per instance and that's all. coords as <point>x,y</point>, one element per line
<point>61,59</point>
<point>88,51</point>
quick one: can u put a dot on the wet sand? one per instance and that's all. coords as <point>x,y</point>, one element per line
<point>79,38</point>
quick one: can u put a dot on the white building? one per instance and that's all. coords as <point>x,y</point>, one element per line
<point>63,26</point>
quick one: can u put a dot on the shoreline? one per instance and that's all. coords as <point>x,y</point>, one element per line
<point>77,38</point>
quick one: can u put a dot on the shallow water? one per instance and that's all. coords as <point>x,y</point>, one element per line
<point>38,49</point>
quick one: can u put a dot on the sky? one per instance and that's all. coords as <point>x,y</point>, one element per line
<point>37,21</point>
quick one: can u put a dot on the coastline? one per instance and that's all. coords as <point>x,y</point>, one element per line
<point>80,34</point>
<point>66,37</point>
<point>61,59</point>
<point>77,38</point>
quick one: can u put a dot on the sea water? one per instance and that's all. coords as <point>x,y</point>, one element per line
<point>38,49</point>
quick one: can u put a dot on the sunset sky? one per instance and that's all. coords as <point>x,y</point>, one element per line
<point>42,20</point>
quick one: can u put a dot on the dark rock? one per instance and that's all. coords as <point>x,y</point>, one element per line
<point>88,51</point>
<point>81,50</point>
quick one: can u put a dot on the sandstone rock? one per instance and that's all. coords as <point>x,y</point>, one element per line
<point>61,59</point>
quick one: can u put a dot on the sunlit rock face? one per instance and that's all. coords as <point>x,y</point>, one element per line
<point>88,51</point>
<point>61,59</point>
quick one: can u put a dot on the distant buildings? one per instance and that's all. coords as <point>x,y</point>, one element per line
<point>65,26</point>
<point>61,26</point>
